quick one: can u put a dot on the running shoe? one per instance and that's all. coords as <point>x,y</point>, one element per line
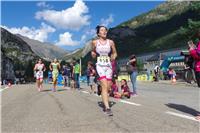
<point>109,112</point>
<point>135,95</point>
<point>104,109</point>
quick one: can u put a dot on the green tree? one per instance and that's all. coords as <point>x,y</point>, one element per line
<point>29,71</point>
<point>140,65</point>
<point>195,6</point>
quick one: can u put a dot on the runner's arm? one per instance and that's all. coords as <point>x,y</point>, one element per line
<point>114,51</point>
<point>94,72</point>
<point>44,68</point>
<point>131,61</point>
<point>59,66</point>
<point>35,67</point>
<point>93,52</point>
<point>50,67</point>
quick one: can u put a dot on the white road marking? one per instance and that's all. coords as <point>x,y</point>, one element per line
<point>85,92</point>
<point>97,95</point>
<point>4,88</point>
<point>181,115</point>
<point>123,101</point>
<point>136,104</point>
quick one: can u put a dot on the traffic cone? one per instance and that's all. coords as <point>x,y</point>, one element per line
<point>9,84</point>
<point>173,80</point>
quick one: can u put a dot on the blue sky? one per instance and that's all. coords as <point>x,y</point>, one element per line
<point>68,24</point>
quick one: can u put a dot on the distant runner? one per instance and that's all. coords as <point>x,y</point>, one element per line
<point>54,67</point>
<point>39,69</point>
<point>92,74</point>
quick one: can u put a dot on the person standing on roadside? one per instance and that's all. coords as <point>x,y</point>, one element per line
<point>133,73</point>
<point>76,74</point>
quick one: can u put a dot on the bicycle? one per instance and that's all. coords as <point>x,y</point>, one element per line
<point>189,75</point>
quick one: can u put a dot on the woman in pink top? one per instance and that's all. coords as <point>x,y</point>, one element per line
<point>125,92</point>
<point>195,53</point>
<point>125,89</point>
<point>114,90</point>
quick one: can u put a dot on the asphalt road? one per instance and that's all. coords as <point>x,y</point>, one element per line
<point>159,107</point>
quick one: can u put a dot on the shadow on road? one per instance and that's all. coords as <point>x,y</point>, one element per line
<point>62,90</point>
<point>45,90</point>
<point>111,103</point>
<point>183,108</point>
<point>56,90</point>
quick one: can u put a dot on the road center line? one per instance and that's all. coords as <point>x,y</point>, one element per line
<point>181,115</point>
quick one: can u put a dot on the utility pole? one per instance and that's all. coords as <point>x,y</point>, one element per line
<point>160,58</point>
<point>80,66</point>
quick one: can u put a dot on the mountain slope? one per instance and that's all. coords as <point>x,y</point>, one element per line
<point>170,25</point>
<point>149,32</point>
<point>161,13</point>
<point>45,50</point>
<point>76,54</point>
<point>16,56</point>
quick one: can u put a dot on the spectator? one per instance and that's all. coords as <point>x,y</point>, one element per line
<point>195,53</point>
<point>76,74</point>
<point>170,73</point>
<point>88,75</point>
<point>156,72</point>
<point>133,72</point>
<point>114,90</point>
<point>66,75</point>
<point>92,74</point>
<point>125,89</point>
<point>173,74</point>
<point>147,69</point>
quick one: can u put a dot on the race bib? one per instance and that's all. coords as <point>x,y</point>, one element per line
<point>103,59</point>
<point>40,72</point>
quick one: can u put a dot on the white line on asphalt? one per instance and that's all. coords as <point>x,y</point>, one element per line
<point>97,95</point>
<point>85,92</point>
<point>4,89</point>
<point>181,115</point>
<point>136,104</point>
<point>123,101</point>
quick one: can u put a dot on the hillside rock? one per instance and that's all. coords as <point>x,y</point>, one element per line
<point>45,50</point>
<point>7,68</point>
<point>158,29</point>
<point>16,54</point>
<point>121,32</point>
